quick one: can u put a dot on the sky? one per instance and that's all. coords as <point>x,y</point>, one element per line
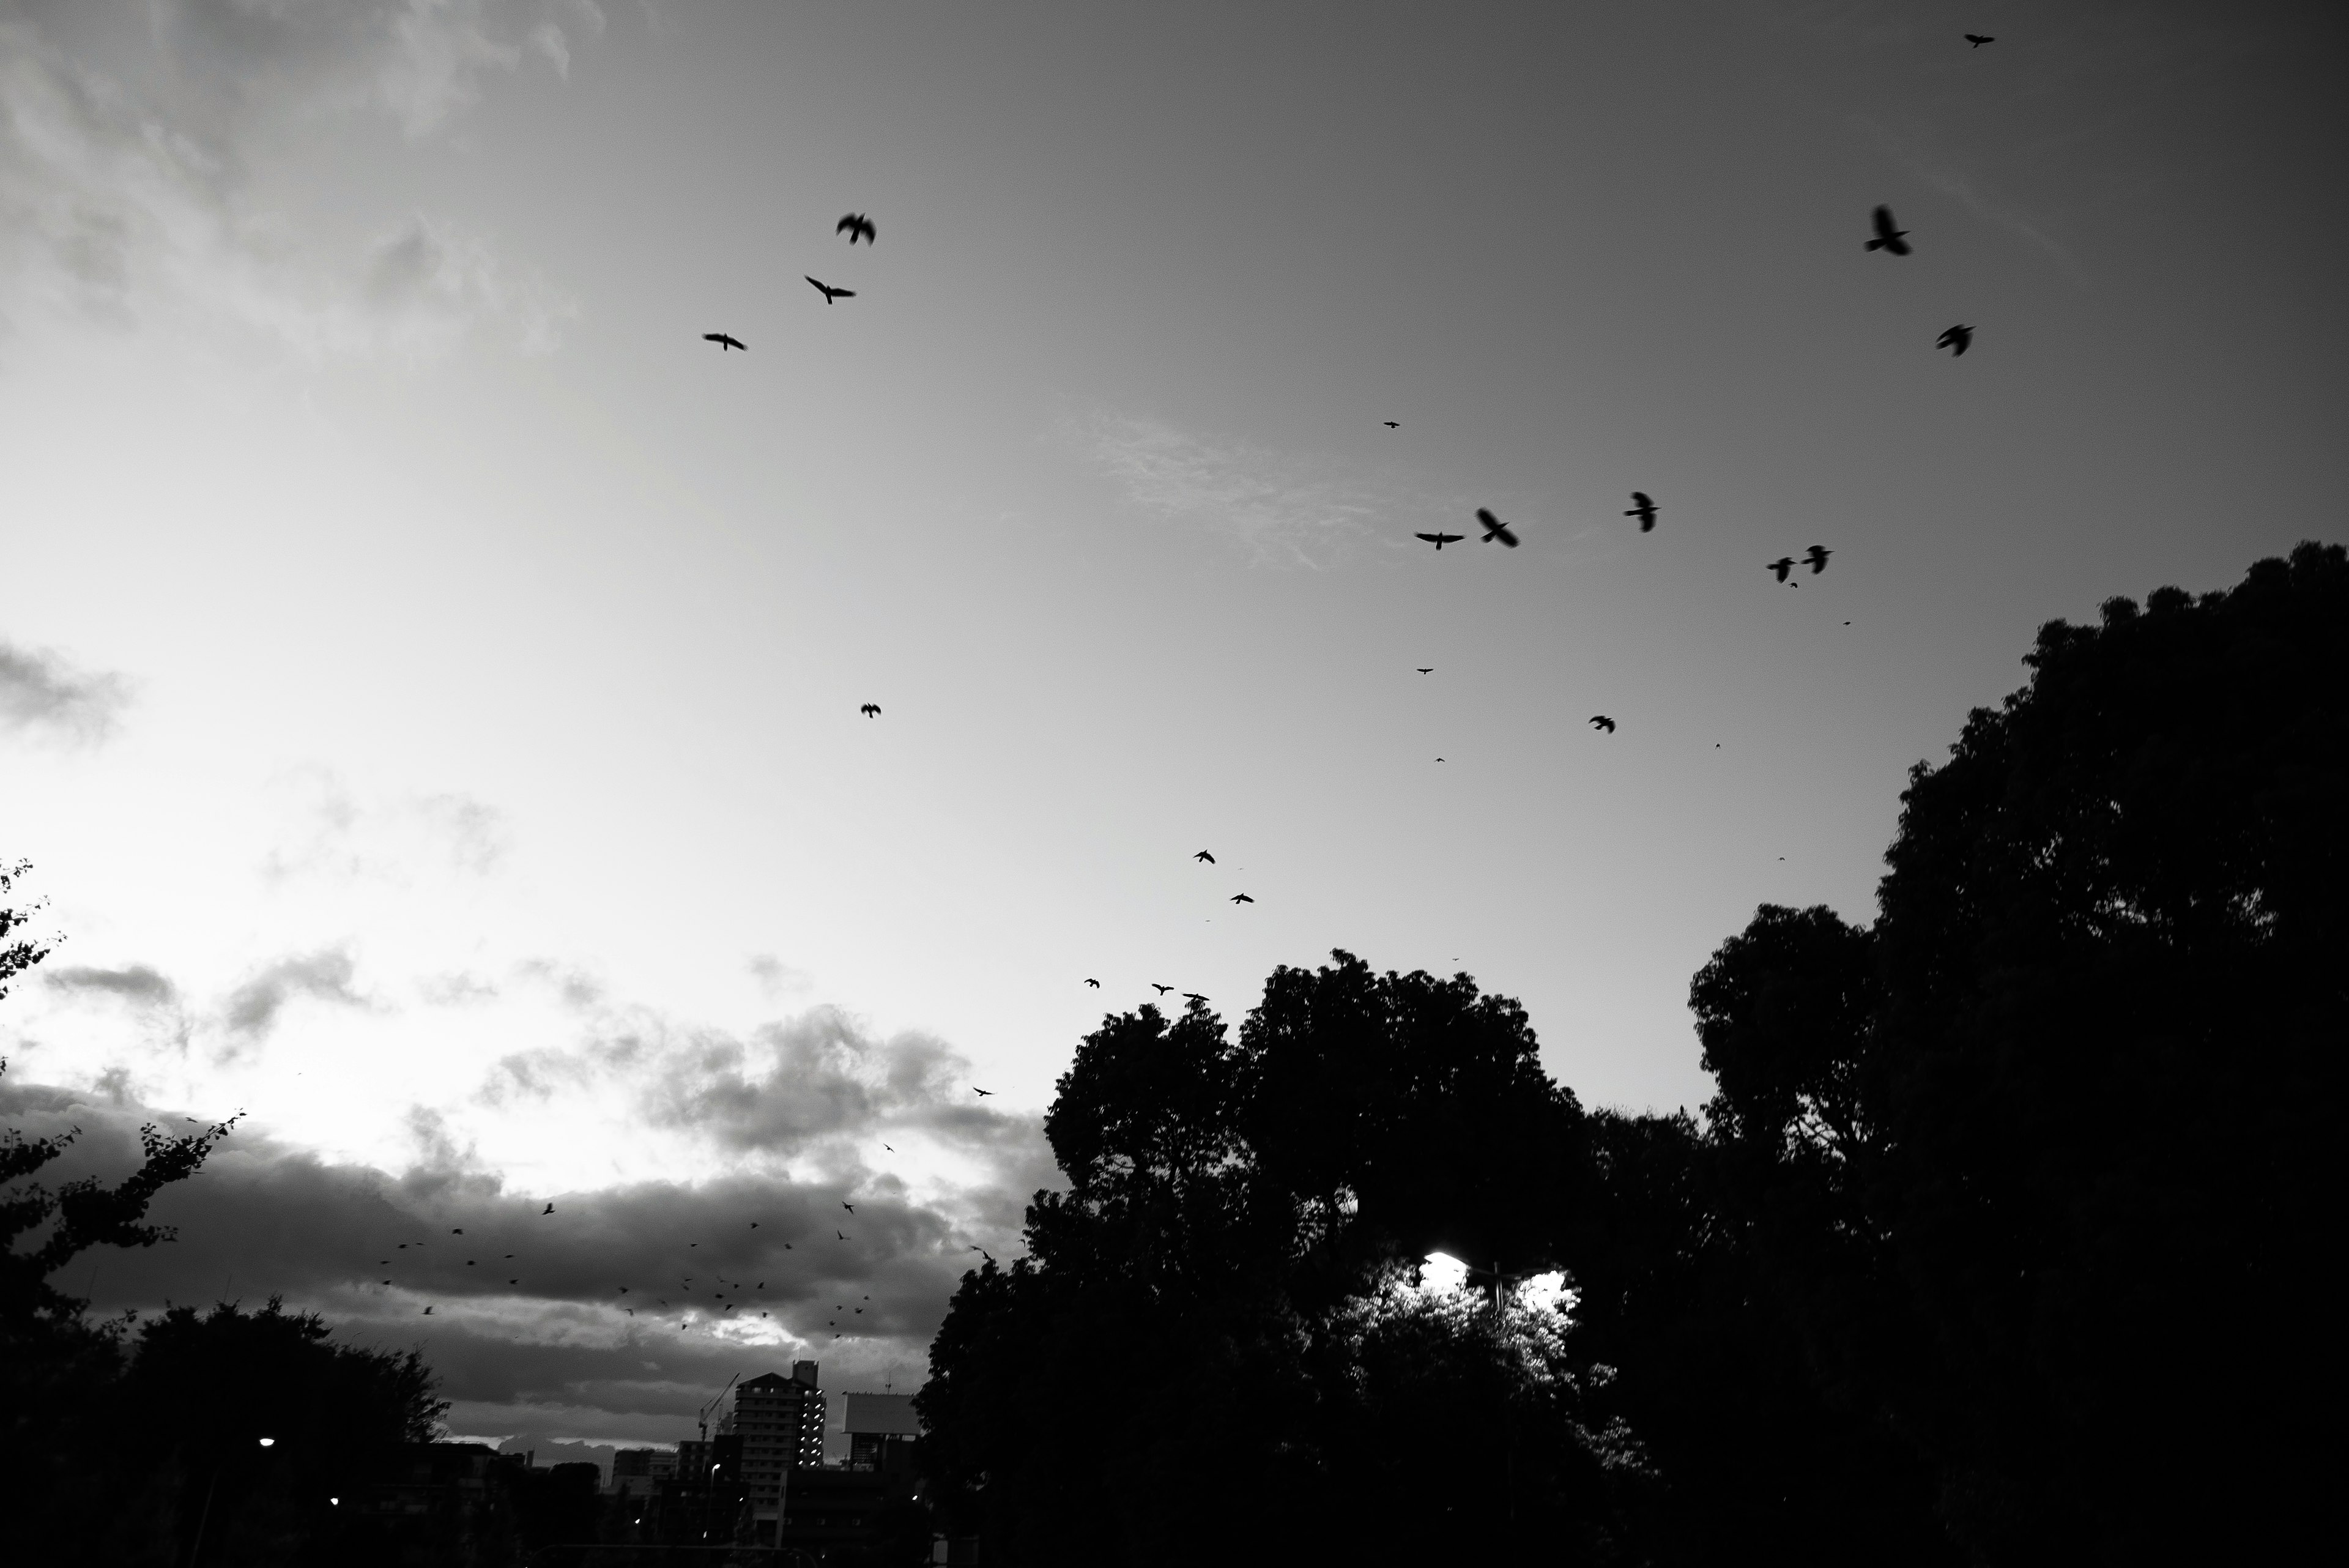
<point>431,672</point>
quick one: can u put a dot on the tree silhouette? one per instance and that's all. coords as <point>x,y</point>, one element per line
<point>1220,1305</point>
<point>2042,1187</point>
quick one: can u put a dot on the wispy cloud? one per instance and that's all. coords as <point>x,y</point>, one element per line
<point>41,693</point>
<point>124,155</point>
<point>333,833</point>
<point>1285,507</point>
<point>1949,175</point>
<point>136,983</point>
<point>326,976</point>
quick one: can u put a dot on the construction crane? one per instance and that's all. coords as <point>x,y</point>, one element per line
<point>702,1420</point>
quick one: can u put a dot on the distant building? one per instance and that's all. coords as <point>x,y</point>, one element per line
<point>779,1421</point>
<point>638,1472</point>
<point>882,1431</point>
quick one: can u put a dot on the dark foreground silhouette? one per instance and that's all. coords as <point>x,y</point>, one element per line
<point>2000,1242</point>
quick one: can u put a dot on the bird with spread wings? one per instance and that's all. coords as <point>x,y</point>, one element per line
<point>1440,540</point>
<point>829,292</point>
<point>1496,529</point>
<point>854,225</point>
<point>725,341</point>
<point>1888,238</point>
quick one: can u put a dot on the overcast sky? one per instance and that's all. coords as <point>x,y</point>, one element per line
<point>430,674</point>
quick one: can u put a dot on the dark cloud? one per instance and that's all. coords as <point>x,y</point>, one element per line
<point>254,1006</point>
<point>557,1352</point>
<point>795,1084</point>
<point>41,693</point>
<point>136,983</point>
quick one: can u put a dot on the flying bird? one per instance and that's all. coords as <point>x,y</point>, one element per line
<point>1193,996</point>
<point>850,1207</point>
<point>1242,899</point>
<point>1494,529</point>
<point>1089,981</point>
<point>841,1234</point>
<point>458,1232</point>
<point>1424,668</point>
<point>1957,341</point>
<point>1781,566</point>
<point>1391,424</point>
<point>982,1093</point>
<point>1644,509</point>
<point>725,340</point>
<point>1817,556</point>
<point>427,1312</point>
<point>1440,540</point>
<point>1978,40</point>
<point>871,709</point>
<point>545,1212</point>
<point>1160,990</point>
<point>852,225</point>
<point>829,293</point>
<point>1888,238</point>
<point>1202,855</point>
<point>1601,721</point>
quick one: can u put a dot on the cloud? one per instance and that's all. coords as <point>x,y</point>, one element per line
<point>542,1340</point>
<point>1284,507</point>
<point>41,693</point>
<point>136,983</point>
<point>125,153</point>
<point>393,839</point>
<point>254,1006</point>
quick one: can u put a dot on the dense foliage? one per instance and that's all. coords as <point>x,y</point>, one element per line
<point>1996,1244</point>
<point>1215,1348</point>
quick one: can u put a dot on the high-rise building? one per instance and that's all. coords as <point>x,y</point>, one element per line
<point>779,1421</point>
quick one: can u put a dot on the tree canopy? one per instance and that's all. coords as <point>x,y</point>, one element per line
<point>1998,1242</point>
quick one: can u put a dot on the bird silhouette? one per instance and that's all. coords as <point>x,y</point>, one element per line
<point>1601,721</point>
<point>1089,981</point>
<point>1242,899</point>
<point>1202,855</point>
<point>1781,566</point>
<point>982,1093</point>
<point>1494,529</point>
<point>458,1232</point>
<point>1391,424</point>
<point>725,341</point>
<point>1957,341</point>
<point>841,1234</point>
<point>854,225</point>
<point>1978,40</point>
<point>1193,996</point>
<point>1817,556</point>
<point>1644,510</point>
<point>1424,668</point>
<point>1888,238</point>
<point>545,1212</point>
<point>427,1312</point>
<point>987,1255</point>
<point>1160,990</point>
<point>850,1207</point>
<point>829,293</point>
<point>871,709</point>
<point>1440,540</point>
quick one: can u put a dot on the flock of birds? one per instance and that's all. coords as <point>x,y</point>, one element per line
<point>731,1296</point>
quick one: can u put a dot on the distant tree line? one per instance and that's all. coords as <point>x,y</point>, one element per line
<point>2000,1241</point>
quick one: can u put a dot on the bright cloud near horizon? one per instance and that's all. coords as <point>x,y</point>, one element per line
<point>430,674</point>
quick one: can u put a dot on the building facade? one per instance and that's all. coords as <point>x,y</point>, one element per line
<point>780,1423</point>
